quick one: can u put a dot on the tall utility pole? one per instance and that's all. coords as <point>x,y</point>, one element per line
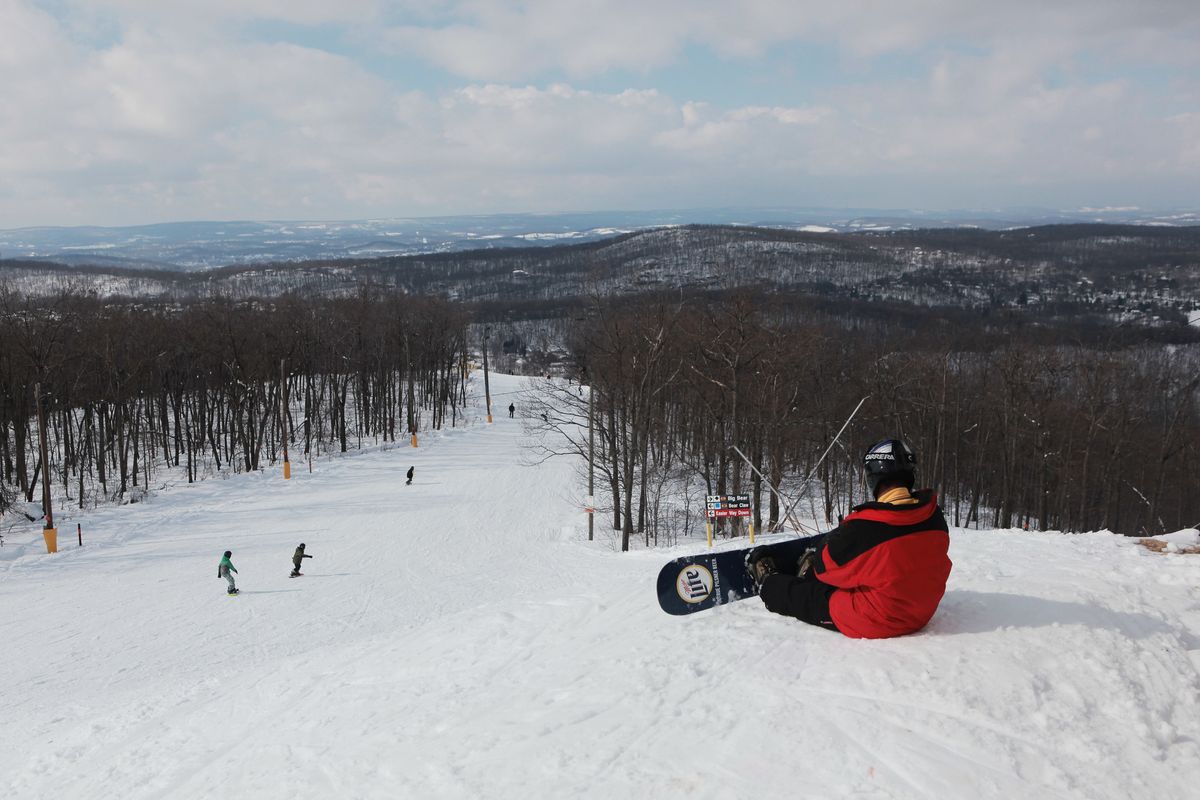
<point>287,467</point>
<point>49,532</point>
<point>591,464</point>
<point>487,390</point>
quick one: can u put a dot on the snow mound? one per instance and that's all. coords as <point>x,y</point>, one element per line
<point>1183,538</point>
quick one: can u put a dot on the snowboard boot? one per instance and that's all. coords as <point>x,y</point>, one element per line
<point>806,562</point>
<point>759,565</point>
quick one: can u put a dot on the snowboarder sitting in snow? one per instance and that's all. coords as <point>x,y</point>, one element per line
<point>411,470</point>
<point>226,569</point>
<point>881,572</point>
<point>297,557</point>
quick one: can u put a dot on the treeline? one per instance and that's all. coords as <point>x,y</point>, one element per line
<point>128,389</point>
<point>1010,430</point>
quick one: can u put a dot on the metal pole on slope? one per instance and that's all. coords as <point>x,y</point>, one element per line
<point>787,512</point>
<point>783,500</point>
<point>813,471</point>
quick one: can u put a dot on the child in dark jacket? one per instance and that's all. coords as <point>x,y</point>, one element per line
<point>299,556</point>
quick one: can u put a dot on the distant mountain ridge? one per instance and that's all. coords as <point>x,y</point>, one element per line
<point>207,245</point>
<point>1117,272</point>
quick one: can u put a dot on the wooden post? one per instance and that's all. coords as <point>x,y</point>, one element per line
<point>49,532</point>
<point>412,415</point>
<point>487,391</point>
<point>287,466</point>
<point>591,464</point>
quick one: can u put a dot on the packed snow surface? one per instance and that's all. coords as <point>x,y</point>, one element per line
<point>461,638</point>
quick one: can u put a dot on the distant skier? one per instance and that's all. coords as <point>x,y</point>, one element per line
<point>226,570</point>
<point>881,572</point>
<point>512,409</point>
<point>297,557</point>
<point>411,470</point>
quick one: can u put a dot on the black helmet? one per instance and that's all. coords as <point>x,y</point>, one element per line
<point>302,545</point>
<point>228,553</point>
<point>890,461</point>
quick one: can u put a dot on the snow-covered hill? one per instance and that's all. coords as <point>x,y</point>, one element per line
<point>201,245</point>
<point>460,638</point>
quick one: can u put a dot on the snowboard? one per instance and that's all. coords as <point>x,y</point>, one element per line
<point>707,580</point>
<point>296,575</point>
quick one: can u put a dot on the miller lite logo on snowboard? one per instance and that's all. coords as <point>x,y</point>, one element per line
<point>695,583</point>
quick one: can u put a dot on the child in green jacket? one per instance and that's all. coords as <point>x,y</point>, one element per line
<point>226,569</point>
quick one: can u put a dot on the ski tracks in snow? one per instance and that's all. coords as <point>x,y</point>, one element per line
<point>449,640</point>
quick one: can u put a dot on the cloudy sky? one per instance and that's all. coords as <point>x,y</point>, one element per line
<point>136,111</point>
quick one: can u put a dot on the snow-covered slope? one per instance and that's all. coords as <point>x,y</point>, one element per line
<point>460,638</point>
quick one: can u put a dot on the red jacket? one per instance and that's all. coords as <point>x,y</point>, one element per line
<point>889,564</point>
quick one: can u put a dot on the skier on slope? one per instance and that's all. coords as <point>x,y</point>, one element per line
<point>512,409</point>
<point>881,572</point>
<point>410,472</point>
<point>297,557</point>
<point>226,570</point>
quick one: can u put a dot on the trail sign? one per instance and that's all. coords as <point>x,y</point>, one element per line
<point>728,505</point>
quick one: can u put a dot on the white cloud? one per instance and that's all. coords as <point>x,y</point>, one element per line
<point>192,12</point>
<point>1184,130</point>
<point>179,113</point>
<point>515,41</point>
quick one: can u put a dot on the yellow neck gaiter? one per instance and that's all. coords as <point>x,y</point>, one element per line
<point>897,497</point>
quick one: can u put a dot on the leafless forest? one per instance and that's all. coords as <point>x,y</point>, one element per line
<point>126,386</point>
<point>1012,430</point>
<point>1048,378</point>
